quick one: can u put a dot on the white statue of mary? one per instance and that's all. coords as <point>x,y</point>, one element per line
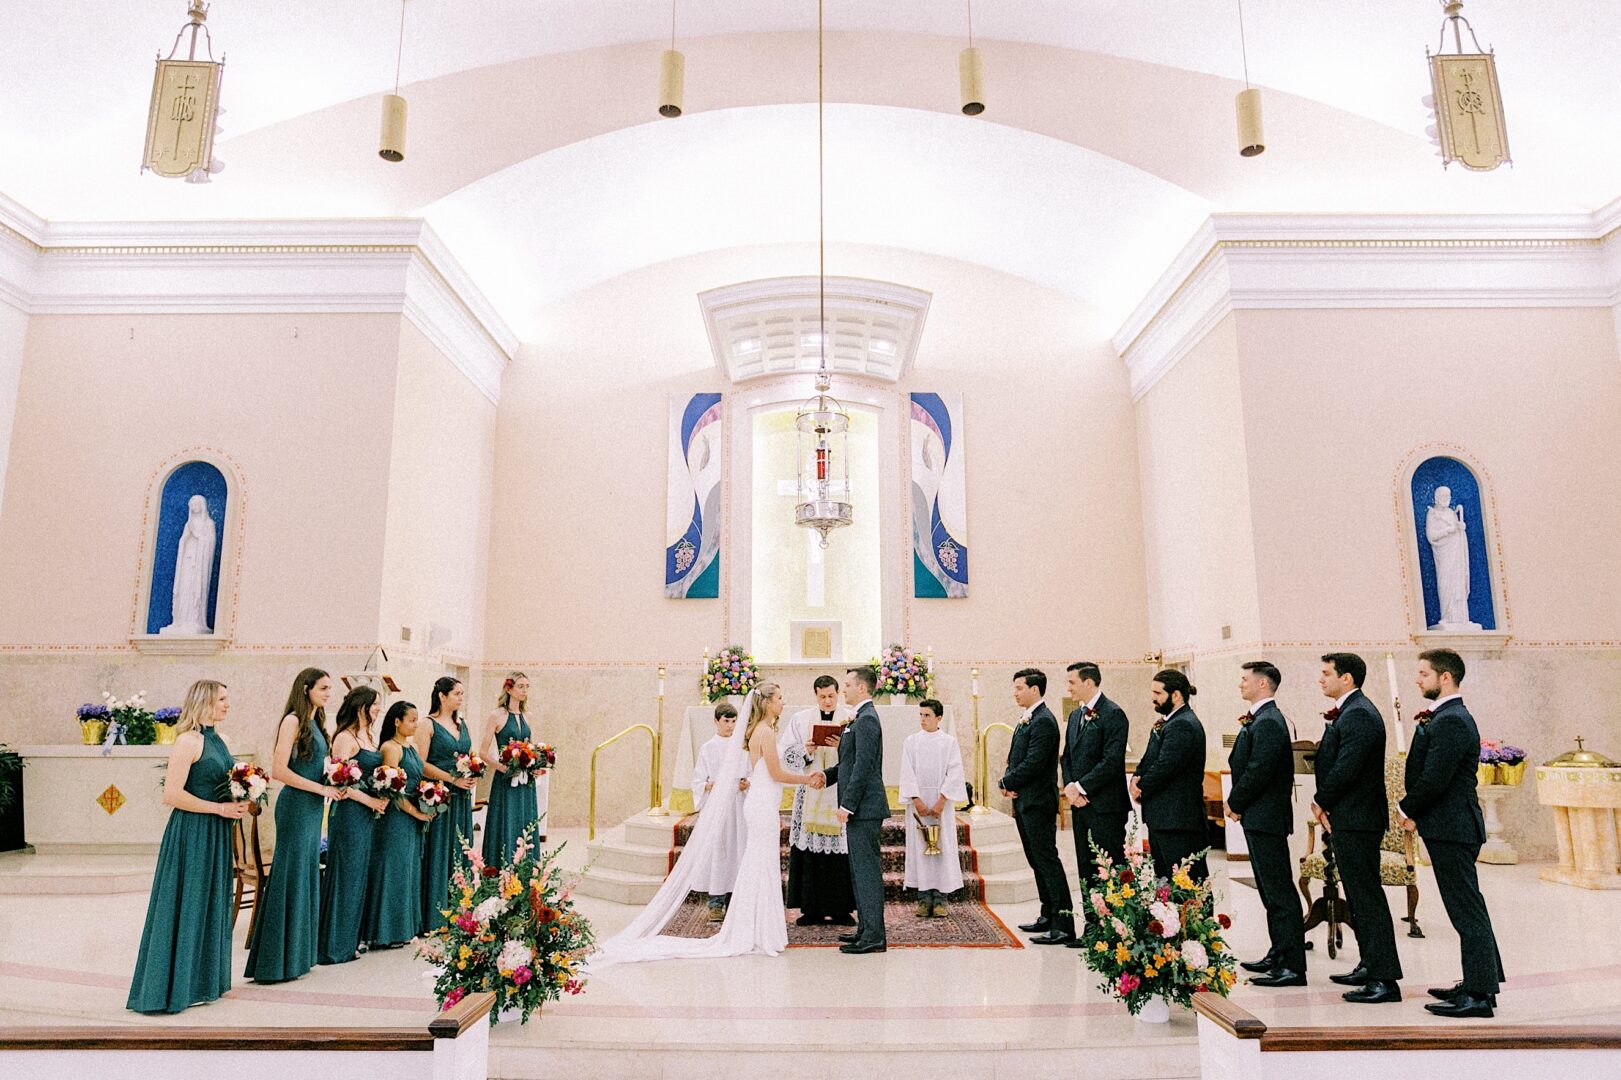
<point>193,572</point>
<point>1444,528</point>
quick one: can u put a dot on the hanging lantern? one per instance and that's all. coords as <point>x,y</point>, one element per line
<point>672,75</point>
<point>391,137</point>
<point>824,463</point>
<point>1467,103</point>
<point>971,73</point>
<point>184,115</point>
<point>1251,140</point>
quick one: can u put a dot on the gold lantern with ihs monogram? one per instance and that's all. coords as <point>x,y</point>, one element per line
<point>184,115</point>
<point>1467,102</point>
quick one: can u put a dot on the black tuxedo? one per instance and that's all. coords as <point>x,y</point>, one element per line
<point>1441,799</point>
<point>1095,760</point>
<point>1263,767</point>
<point>861,757</point>
<point>1032,772</point>
<point>1170,777</point>
<point>1351,788</point>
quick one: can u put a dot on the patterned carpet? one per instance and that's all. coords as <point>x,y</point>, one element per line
<point>966,924</point>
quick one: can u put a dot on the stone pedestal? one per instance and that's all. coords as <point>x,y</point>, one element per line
<point>1585,804</point>
<point>1496,849</point>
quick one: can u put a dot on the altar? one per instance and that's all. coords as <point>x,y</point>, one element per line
<point>95,800</point>
<point>698,727</point>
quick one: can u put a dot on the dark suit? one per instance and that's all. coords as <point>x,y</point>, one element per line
<point>1263,766</point>
<point>1095,759</point>
<point>1351,787</point>
<point>1441,798</point>
<point>861,791</point>
<point>1170,777</point>
<point>1032,772</point>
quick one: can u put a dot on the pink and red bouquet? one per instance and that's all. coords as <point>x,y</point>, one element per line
<point>248,783</point>
<point>547,756</point>
<point>433,797</point>
<point>342,772</point>
<point>387,782</point>
<point>520,758</point>
<point>470,766</point>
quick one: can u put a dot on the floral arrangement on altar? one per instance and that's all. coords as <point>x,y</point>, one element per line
<point>127,721</point>
<point>513,931</point>
<point>904,672</point>
<point>1152,938</point>
<point>729,672</point>
<point>1501,763</point>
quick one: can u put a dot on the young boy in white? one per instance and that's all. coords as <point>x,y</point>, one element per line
<point>932,783</point>
<point>721,762</point>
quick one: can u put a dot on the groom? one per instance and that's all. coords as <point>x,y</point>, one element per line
<point>863,809</point>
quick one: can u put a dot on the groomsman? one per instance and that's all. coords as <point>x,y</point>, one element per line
<point>1031,781</point>
<point>1442,805</point>
<point>1262,801</point>
<point>1354,812</point>
<point>1169,780</point>
<point>1094,772</point>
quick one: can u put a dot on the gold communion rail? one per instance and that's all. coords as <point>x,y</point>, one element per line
<point>984,776</point>
<point>653,770</point>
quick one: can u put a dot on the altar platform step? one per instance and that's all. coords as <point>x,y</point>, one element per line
<point>25,873</point>
<point>628,863</point>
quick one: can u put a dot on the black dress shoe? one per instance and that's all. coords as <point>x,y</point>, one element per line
<point>1280,976</point>
<point>1465,1004</point>
<point>1373,992</point>
<point>847,938</point>
<point>1265,963</point>
<point>1075,943</point>
<point>808,920</point>
<point>1053,937</point>
<point>1040,926</point>
<point>1447,993</point>
<point>856,949</point>
<point>1357,976</point>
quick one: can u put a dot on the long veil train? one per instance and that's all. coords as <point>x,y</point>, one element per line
<point>640,940</point>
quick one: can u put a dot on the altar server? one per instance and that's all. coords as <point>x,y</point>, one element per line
<point>932,783</point>
<point>1441,804</point>
<point>721,761</point>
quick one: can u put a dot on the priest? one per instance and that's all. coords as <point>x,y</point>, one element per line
<point>818,858</point>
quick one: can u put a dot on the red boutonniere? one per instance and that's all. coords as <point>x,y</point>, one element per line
<point>1332,715</point>
<point>1089,714</point>
<point>1244,720</point>
<point>1159,725</point>
<point>1423,715</point>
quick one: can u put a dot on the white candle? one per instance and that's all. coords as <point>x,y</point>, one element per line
<point>976,682</point>
<point>1395,704</point>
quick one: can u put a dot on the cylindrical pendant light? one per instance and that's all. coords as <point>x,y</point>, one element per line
<point>672,75</point>
<point>391,141</point>
<point>971,73</point>
<point>1251,139</point>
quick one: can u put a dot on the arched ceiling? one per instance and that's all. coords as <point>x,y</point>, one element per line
<point>534,147</point>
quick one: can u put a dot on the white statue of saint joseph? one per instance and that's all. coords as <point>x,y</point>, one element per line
<point>193,570</point>
<point>1449,542</point>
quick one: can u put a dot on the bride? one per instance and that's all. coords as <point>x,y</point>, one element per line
<point>756,921</point>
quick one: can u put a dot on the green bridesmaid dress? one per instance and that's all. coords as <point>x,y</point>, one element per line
<point>351,828</point>
<point>512,808</point>
<point>394,894</point>
<point>449,831</point>
<point>185,956</point>
<point>285,942</point>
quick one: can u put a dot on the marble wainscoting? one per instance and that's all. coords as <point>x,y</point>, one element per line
<point>1536,695</point>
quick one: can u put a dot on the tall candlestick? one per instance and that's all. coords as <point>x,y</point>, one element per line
<point>1395,704</point>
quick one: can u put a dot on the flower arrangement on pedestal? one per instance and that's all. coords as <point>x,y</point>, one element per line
<point>729,672</point>
<point>903,672</point>
<point>1501,763</point>
<point>1148,937</point>
<point>512,931</point>
<point>129,721</point>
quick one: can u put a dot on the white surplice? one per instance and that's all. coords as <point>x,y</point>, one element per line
<point>719,764</point>
<point>931,765</point>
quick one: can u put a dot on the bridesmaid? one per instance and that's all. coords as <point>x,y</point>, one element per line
<point>394,898</point>
<point>350,831</point>
<point>284,943</point>
<point>512,809</point>
<point>450,830</point>
<point>185,956</point>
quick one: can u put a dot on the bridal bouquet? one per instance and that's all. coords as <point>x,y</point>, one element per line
<point>469,766</point>
<point>520,758</point>
<point>247,782</point>
<point>902,671</point>
<point>1148,937</point>
<point>512,931</point>
<point>342,772</point>
<point>729,672</point>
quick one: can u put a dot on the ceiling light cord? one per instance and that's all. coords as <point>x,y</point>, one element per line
<point>821,201</point>
<point>1243,48</point>
<point>672,23</point>
<point>970,24</point>
<point>399,50</point>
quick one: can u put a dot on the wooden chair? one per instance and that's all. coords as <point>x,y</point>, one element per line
<point>249,868</point>
<point>1398,864</point>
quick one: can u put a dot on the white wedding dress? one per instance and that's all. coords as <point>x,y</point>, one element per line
<point>756,921</point>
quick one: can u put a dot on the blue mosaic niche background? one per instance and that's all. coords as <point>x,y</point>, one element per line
<point>192,478</point>
<point>1451,473</point>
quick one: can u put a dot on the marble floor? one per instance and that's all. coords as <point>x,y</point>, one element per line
<point>66,959</point>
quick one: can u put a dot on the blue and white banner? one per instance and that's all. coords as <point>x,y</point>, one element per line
<point>693,516</point>
<point>939,498</point>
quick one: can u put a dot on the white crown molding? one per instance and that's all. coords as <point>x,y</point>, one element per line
<point>388,266</point>
<point>1284,261</point>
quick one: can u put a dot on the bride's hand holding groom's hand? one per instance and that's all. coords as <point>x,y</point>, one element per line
<point>817,780</point>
